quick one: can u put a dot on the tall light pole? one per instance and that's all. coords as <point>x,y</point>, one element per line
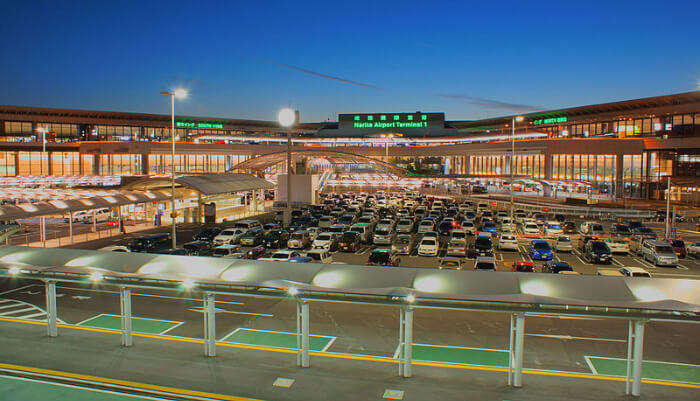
<point>179,93</point>
<point>287,117</point>
<point>512,162</point>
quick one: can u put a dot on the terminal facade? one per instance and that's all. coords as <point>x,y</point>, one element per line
<point>625,148</point>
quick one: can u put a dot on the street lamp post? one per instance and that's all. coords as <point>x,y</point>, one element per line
<point>287,117</point>
<point>179,93</point>
<point>512,162</point>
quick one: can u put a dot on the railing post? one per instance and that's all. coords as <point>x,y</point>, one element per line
<point>638,348</point>
<point>125,299</point>
<point>209,325</point>
<point>302,333</point>
<point>405,341</point>
<point>517,342</point>
<point>51,311</point>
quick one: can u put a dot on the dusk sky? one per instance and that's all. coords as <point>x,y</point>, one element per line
<point>248,59</point>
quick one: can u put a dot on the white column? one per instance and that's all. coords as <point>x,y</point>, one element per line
<point>302,334</point>
<point>209,325</point>
<point>638,348</point>
<point>70,226</point>
<point>42,230</point>
<point>51,311</point>
<point>125,300</point>
<point>406,341</point>
<point>517,342</point>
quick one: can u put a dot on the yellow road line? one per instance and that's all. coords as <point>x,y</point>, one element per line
<point>362,357</point>
<point>125,383</point>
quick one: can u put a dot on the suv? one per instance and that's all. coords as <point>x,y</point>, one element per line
<point>349,242</point>
<point>485,263</point>
<point>402,244</point>
<point>659,253</point>
<point>228,236</point>
<point>634,272</point>
<point>383,257</point>
<point>299,240</point>
<point>597,252</point>
<point>275,239</point>
<point>482,246</point>
<point>253,237</point>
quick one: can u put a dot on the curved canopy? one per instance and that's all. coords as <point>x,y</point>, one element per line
<point>493,290</point>
<point>332,156</point>
<point>206,184</point>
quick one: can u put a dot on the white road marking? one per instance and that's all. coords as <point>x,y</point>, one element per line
<point>569,337</point>
<point>17,289</point>
<point>12,312</point>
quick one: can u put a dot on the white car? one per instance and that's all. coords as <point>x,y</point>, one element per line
<point>385,224</point>
<point>324,241</point>
<point>428,247</point>
<point>618,245</point>
<point>383,236</point>
<point>630,271</point>
<point>226,251</point>
<point>320,256</point>
<point>563,244</point>
<point>115,248</point>
<point>530,229</point>
<point>507,241</point>
<point>693,249</point>
<point>282,256</point>
<point>228,236</point>
<point>425,226</point>
<point>457,247</point>
<point>404,226</point>
<point>552,228</point>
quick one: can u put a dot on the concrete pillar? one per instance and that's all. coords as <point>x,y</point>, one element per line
<point>302,334</point>
<point>209,325</point>
<point>517,342</point>
<point>619,188</point>
<point>125,301</point>
<point>405,341</point>
<point>637,352</point>
<point>95,164</point>
<point>145,165</point>
<point>548,166</point>
<point>51,310</point>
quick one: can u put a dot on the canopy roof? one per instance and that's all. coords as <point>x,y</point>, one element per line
<point>332,156</point>
<point>678,298</point>
<point>207,184</point>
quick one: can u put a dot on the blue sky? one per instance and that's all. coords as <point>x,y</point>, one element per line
<point>248,59</point>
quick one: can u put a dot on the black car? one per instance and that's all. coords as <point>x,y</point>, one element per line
<point>621,229</point>
<point>176,251</point>
<point>349,242</point>
<point>383,257</point>
<point>252,237</point>
<point>207,234</point>
<point>151,243</point>
<point>556,267</point>
<point>276,239</point>
<point>597,252</point>
<point>198,248</point>
<point>255,253</point>
<point>445,228</point>
<point>482,246</point>
<point>569,227</point>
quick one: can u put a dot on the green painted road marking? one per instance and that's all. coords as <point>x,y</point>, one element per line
<point>277,339</point>
<point>138,324</point>
<point>461,355</point>
<point>656,370</point>
<point>20,388</point>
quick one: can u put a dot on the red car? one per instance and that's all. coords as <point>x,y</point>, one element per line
<point>524,267</point>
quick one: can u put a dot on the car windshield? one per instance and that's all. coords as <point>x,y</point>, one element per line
<point>228,232</point>
<point>323,237</point>
<point>489,224</point>
<point>677,243</point>
<point>640,274</point>
<point>428,242</point>
<point>458,234</point>
<point>597,227</point>
<point>220,252</point>
<point>298,236</point>
<point>507,238</point>
<point>621,228</point>
<point>426,223</point>
<point>484,266</point>
<point>456,242</point>
<point>280,255</point>
<point>664,248</point>
<point>541,246</point>
<point>564,239</point>
<point>379,257</point>
<point>402,241</point>
<point>531,226</point>
<point>601,247</point>
<point>348,237</point>
<point>483,242</point>
<point>554,226</point>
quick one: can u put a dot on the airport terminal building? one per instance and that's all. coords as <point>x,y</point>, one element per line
<point>625,148</point>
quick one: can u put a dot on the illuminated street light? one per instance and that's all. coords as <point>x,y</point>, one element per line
<point>512,160</point>
<point>410,298</point>
<point>187,283</point>
<point>293,291</point>
<point>96,276</point>
<point>287,117</point>
<point>179,93</point>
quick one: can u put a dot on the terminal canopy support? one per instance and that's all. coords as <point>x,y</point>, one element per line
<point>125,305</point>
<point>405,341</point>
<point>209,325</point>
<point>635,349</point>
<point>517,343</point>
<point>302,333</point>
<point>51,311</point>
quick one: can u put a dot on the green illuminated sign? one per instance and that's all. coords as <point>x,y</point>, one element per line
<point>391,120</point>
<point>185,124</point>
<point>393,124</point>
<point>552,120</point>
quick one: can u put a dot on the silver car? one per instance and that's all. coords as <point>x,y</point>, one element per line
<point>402,244</point>
<point>383,236</point>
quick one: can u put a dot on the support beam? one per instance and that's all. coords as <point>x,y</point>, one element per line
<point>125,300</point>
<point>209,324</point>
<point>51,311</point>
<point>405,341</point>
<point>302,333</point>
<point>70,227</point>
<point>517,342</point>
<point>637,352</point>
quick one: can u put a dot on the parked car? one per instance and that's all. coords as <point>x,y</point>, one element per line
<point>540,250</point>
<point>678,246</point>
<point>151,243</point>
<point>597,252</point>
<point>507,242</point>
<point>523,266</point>
<point>383,236</point>
<point>256,253</point>
<point>402,244</point>
<point>563,244</point>
<point>299,240</point>
<point>618,245</point>
<point>621,230</point>
<point>428,247</point>
<point>450,263</point>
<point>583,240</point>
<point>485,263</point>
<point>469,227</point>
<point>426,225</point>
<point>326,221</point>
<point>252,237</point>
<point>694,249</point>
<point>482,246</point>
<point>229,236</point>
<point>457,247</point>
<point>326,241</point>
<point>630,271</point>
<point>530,229</point>
<point>659,253</point>
<point>610,273</point>
<point>320,255</point>
<point>383,257</point>
<point>552,228</point>
<point>404,226</point>
<point>198,248</point>
<point>556,267</point>
<point>275,239</point>
<point>569,227</point>
<point>226,251</point>
<point>282,256</point>
<point>349,242</point>
<point>364,230</point>
<point>207,234</point>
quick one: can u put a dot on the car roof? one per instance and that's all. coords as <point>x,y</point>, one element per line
<point>634,269</point>
<point>539,241</point>
<point>485,259</point>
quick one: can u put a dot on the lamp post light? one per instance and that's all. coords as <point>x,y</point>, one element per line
<point>177,93</point>
<point>512,161</point>
<point>287,117</point>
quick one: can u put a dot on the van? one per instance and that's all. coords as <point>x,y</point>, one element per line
<point>659,253</point>
<point>320,256</point>
<point>247,224</point>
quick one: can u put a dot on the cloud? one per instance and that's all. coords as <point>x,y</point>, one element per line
<point>490,103</point>
<point>318,74</point>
